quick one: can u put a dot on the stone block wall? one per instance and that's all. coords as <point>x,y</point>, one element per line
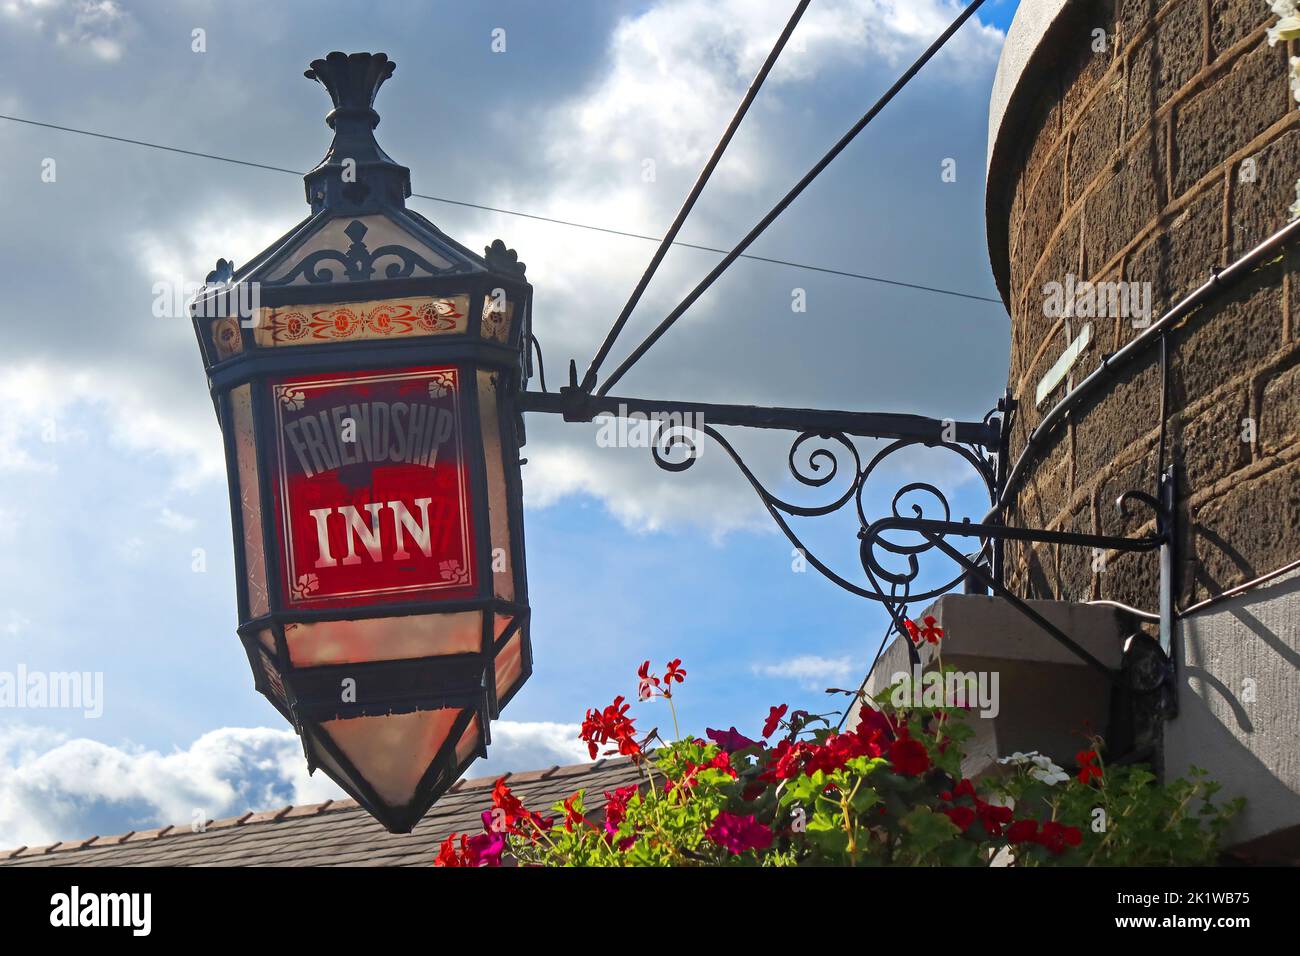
<point>1160,142</point>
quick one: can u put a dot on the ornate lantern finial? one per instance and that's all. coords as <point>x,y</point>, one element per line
<point>355,173</point>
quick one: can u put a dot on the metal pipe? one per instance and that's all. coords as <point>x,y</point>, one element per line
<point>579,406</point>
<point>1219,280</point>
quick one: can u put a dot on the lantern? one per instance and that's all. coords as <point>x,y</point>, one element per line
<point>365,371</point>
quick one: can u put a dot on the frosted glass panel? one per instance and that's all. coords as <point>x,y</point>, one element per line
<point>503,577</point>
<point>250,501</point>
<point>384,638</point>
<point>509,666</point>
<point>392,753</point>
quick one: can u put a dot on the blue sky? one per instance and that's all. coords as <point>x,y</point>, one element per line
<point>113,512</point>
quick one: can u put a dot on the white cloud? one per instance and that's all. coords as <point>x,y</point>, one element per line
<point>812,672</point>
<point>95,27</point>
<point>174,521</point>
<point>521,745</point>
<point>677,71</point>
<point>53,787</point>
<point>673,76</point>
<point>38,406</point>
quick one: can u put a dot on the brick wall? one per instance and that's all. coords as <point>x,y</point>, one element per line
<point>1136,165</point>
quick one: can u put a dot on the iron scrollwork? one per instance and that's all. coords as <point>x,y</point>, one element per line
<point>358,261</point>
<point>823,451</point>
<point>889,586</point>
<point>820,466</point>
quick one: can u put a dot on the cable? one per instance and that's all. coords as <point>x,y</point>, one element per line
<point>541,363</point>
<point>1239,589</point>
<point>589,380</point>
<point>1220,279</point>
<point>512,212</point>
<point>1144,615</point>
<point>1214,599</point>
<point>790,197</point>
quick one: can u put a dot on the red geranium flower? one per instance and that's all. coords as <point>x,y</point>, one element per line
<point>1057,836</point>
<point>571,815</point>
<point>993,818</point>
<point>672,673</point>
<point>962,816</point>
<point>616,812</point>
<point>913,631</point>
<point>929,631</point>
<point>448,854</point>
<point>909,757</point>
<point>510,810</point>
<point>612,725</point>
<point>1085,758</point>
<point>874,725</point>
<point>1023,831</point>
<point>773,720</point>
<point>648,682</point>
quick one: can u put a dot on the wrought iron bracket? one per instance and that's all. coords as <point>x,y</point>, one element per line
<point>983,445</point>
<point>1163,540</point>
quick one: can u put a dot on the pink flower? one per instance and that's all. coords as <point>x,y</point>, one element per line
<point>738,834</point>
<point>485,849</point>
<point>730,740</point>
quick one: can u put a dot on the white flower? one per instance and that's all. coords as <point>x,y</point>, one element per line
<point>1284,8</point>
<point>1047,772</point>
<point>1041,767</point>
<point>1288,28</point>
<point>1295,206</point>
<point>1018,758</point>
<point>1295,77</point>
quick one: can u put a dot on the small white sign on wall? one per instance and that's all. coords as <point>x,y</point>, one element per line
<point>1057,372</point>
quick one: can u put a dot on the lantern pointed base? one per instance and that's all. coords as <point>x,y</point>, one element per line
<point>396,766</point>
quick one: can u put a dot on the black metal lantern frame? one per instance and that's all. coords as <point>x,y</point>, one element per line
<point>491,358</point>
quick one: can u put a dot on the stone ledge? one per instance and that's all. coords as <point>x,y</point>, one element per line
<point>1045,695</point>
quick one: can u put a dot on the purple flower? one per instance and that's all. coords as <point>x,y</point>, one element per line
<point>486,849</point>
<point>730,740</point>
<point>738,834</point>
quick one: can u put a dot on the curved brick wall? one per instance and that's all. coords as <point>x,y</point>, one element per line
<point>1173,151</point>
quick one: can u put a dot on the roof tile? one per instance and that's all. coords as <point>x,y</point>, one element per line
<point>227,823</point>
<point>333,833</point>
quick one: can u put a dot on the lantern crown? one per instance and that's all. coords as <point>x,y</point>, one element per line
<point>355,172</point>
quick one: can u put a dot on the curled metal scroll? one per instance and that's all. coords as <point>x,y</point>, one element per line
<point>817,460</point>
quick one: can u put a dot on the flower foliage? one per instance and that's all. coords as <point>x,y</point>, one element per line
<point>887,791</point>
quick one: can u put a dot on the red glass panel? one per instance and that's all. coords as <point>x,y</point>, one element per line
<point>372,492</point>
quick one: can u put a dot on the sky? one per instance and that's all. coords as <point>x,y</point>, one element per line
<point>114,520</point>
